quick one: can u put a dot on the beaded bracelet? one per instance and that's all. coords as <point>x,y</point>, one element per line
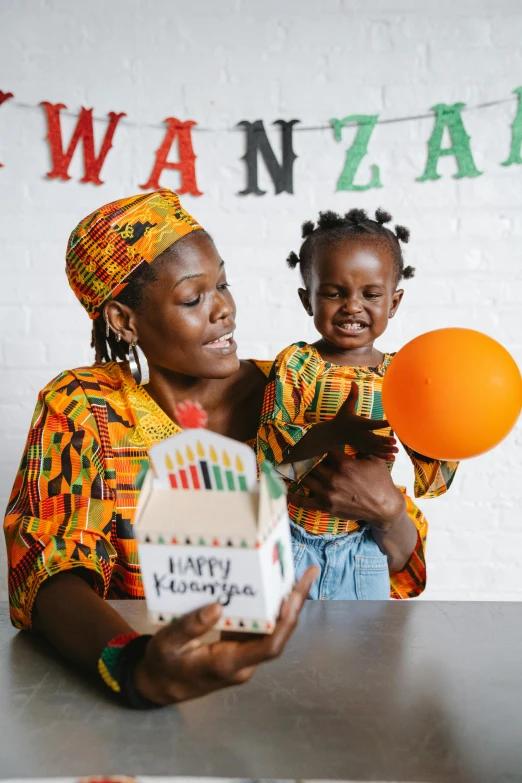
<point>116,666</point>
<point>109,660</point>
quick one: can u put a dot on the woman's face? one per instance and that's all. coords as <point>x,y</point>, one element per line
<point>186,324</point>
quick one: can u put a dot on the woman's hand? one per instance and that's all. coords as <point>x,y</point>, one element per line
<point>349,488</point>
<point>178,666</point>
<point>362,489</point>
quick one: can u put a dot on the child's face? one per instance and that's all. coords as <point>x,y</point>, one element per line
<point>352,293</point>
<point>186,310</point>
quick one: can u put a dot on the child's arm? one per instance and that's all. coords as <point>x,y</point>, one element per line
<point>288,394</point>
<point>346,428</point>
<point>285,435</point>
<point>433,477</point>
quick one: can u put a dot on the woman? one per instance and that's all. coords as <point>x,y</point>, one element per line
<point>155,286</point>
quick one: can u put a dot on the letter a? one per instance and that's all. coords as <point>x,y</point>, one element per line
<point>357,151</point>
<point>449,117</point>
<point>84,131</point>
<point>187,159</point>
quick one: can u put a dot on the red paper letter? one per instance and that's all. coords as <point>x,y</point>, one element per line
<point>84,131</point>
<point>4,96</point>
<point>186,165</point>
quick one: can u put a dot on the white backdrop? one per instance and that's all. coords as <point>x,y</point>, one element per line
<point>222,62</point>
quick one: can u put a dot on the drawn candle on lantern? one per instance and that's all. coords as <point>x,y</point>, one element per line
<point>203,464</point>
<point>228,473</point>
<point>181,472</point>
<point>172,475</point>
<point>216,470</point>
<point>193,469</point>
<point>241,478</point>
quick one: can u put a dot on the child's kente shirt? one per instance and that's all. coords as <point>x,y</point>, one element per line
<point>304,390</point>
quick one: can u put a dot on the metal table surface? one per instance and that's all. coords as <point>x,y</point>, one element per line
<point>402,691</point>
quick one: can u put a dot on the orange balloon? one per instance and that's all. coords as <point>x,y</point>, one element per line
<point>452,394</point>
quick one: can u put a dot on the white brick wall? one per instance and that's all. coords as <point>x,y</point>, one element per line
<point>222,62</point>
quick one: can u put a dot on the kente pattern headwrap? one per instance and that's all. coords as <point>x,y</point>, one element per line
<point>109,244</point>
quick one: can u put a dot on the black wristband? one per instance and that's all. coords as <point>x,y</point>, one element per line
<point>130,655</point>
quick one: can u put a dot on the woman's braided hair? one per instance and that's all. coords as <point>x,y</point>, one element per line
<point>109,349</point>
<point>332,228</point>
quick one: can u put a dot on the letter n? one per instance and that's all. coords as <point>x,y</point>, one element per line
<point>84,131</point>
<point>187,160</point>
<point>257,142</point>
<point>449,117</point>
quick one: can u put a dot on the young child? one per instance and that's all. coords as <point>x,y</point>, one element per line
<point>328,395</point>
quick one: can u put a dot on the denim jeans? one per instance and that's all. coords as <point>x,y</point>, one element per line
<point>352,567</point>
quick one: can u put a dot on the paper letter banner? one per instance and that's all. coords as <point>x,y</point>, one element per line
<point>84,131</point>
<point>357,151</point>
<point>257,141</point>
<point>450,117</point>
<point>278,164</point>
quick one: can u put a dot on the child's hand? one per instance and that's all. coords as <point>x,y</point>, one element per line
<point>357,431</point>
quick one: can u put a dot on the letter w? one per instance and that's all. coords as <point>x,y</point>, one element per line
<point>84,131</point>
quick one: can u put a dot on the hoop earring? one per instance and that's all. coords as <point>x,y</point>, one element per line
<point>138,365</point>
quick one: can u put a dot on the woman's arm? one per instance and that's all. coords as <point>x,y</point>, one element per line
<point>397,538</point>
<point>363,489</point>
<point>75,620</point>
<point>176,665</point>
<point>60,562</point>
<point>60,512</point>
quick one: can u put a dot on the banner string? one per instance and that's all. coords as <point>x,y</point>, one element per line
<point>297,128</point>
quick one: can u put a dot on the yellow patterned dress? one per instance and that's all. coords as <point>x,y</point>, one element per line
<point>303,390</point>
<point>75,493</point>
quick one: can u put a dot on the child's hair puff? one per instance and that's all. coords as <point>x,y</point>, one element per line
<point>332,227</point>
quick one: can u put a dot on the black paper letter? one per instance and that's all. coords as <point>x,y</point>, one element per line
<point>257,141</point>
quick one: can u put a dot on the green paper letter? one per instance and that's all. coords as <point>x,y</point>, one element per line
<point>449,117</point>
<point>357,151</point>
<point>516,134</point>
